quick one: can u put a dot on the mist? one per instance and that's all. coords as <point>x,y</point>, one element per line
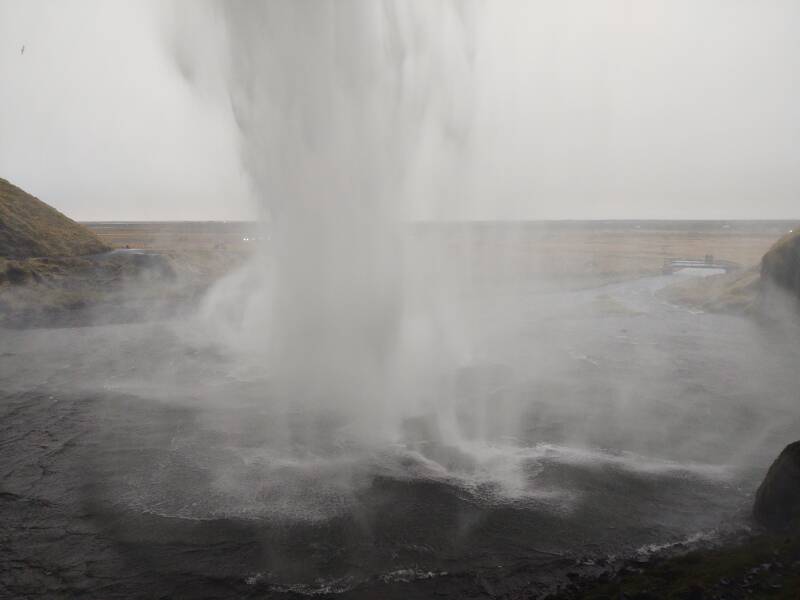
<point>489,316</point>
<point>354,120</point>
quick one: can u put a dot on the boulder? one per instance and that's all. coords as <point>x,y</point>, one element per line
<point>777,504</point>
<point>781,264</point>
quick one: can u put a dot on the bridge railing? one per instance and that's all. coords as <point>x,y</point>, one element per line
<point>708,262</point>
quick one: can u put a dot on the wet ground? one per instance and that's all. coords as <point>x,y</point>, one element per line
<point>138,461</point>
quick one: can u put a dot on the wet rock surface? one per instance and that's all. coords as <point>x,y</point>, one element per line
<point>777,503</point>
<point>71,526</point>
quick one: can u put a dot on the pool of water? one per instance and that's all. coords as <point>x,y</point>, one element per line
<point>592,423</point>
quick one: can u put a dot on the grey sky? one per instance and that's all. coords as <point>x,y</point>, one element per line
<point>580,109</point>
<point>95,119</point>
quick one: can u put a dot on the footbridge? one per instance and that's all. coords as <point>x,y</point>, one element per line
<point>708,262</point>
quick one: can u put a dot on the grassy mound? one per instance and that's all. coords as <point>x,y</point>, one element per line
<point>781,264</point>
<point>30,228</point>
<point>736,292</point>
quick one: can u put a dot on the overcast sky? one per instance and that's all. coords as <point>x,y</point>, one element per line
<point>580,109</point>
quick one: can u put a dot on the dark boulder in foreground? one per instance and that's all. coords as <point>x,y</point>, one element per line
<point>778,498</point>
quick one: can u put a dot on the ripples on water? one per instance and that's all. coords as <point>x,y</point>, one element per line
<point>661,436</point>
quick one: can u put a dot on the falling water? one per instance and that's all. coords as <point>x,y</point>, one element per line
<point>344,108</point>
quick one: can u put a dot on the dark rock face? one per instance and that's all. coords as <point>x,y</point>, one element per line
<point>781,265</point>
<point>778,498</point>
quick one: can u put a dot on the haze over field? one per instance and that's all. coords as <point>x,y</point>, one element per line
<point>578,110</point>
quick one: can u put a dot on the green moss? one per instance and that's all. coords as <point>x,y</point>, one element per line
<point>736,292</point>
<point>764,566</point>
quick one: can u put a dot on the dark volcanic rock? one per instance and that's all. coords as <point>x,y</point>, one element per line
<point>778,498</point>
<point>781,265</point>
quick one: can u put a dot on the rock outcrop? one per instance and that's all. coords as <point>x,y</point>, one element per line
<point>781,264</point>
<point>777,504</point>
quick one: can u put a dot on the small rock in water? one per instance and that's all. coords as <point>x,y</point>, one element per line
<point>777,502</point>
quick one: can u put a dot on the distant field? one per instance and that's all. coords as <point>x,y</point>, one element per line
<point>176,235</point>
<point>527,249</point>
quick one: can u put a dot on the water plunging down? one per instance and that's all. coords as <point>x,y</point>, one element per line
<point>347,110</point>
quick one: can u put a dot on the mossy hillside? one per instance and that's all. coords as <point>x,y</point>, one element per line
<point>30,228</point>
